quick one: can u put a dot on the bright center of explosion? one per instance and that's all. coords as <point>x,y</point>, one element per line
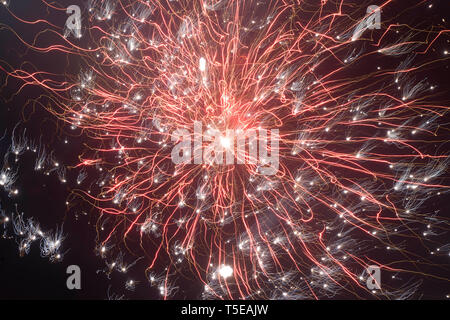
<point>225,142</point>
<point>225,271</point>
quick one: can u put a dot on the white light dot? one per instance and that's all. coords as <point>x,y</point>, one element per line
<point>225,271</point>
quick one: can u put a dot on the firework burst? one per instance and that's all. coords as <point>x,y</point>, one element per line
<point>358,127</point>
